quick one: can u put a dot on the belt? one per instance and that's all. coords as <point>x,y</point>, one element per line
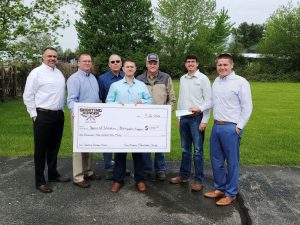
<point>48,110</point>
<point>218,122</point>
<point>193,115</point>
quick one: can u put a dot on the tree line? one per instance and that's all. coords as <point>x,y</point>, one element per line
<point>172,29</point>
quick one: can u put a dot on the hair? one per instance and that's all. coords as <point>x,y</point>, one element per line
<point>224,56</point>
<point>191,57</point>
<point>84,53</point>
<point>112,56</point>
<point>50,48</point>
<point>128,60</point>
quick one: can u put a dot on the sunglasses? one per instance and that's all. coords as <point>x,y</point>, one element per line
<point>115,61</point>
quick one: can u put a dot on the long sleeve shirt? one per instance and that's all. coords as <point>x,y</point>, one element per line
<point>232,99</point>
<point>161,89</point>
<point>195,91</point>
<point>105,80</point>
<point>123,92</point>
<point>45,88</point>
<point>82,87</point>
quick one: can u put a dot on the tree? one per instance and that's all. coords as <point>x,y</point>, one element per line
<point>247,36</point>
<point>32,47</point>
<point>282,37</point>
<point>192,26</point>
<point>119,27</point>
<point>19,20</point>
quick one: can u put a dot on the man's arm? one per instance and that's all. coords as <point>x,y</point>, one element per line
<point>246,104</point>
<point>31,88</point>
<point>171,94</point>
<point>73,87</point>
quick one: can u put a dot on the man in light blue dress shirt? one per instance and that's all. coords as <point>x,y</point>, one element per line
<point>128,91</point>
<point>232,107</point>
<point>82,87</point>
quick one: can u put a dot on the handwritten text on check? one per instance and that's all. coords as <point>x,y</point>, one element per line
<point>121,128</point>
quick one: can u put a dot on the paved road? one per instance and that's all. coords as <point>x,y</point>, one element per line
<point>268,196</point>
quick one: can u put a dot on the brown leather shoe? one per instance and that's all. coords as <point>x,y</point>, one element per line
<point>214,194</point>
<point>92,177</point>
<point>141,186</point>
<point>44,188</point>
<point>116,187</point>
<point>227,200</point>
<point>197,186</point>
<point>82,184</point>
<point>178,180</point>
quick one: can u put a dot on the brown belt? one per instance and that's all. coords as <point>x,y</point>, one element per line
<point>218,122</point>
<point>48,110</point>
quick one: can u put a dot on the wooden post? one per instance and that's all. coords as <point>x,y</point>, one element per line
<point>14,81</point>
<point>2,75</point>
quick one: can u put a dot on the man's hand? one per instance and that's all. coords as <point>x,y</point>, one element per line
<point>202,126</point>
<point>34,118</point>
<point>138,101</point>
<point>238,130</point>
<point>194,109</point>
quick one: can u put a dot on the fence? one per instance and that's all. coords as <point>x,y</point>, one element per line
<point>13,77</point>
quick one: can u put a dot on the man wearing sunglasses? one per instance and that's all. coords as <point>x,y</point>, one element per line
<point>104,81</point>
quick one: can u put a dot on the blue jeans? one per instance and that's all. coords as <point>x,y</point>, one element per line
<point>225,146</point>
<point>190,134</point>
<point>108,162</point>
<point>159,162</point>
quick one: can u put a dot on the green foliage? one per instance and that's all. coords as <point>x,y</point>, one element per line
<point>116,27</point>
<point>19,20</point>
<point>282,37</point>
<point>31,47</point>
<point>193,26</point>
<point>246,37</point>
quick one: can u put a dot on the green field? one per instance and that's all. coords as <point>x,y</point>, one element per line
<point>270,138</point>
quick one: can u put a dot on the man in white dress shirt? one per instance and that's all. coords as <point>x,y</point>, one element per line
<point>44,97</point>
<point>232,106</point>
<point>195,96</point>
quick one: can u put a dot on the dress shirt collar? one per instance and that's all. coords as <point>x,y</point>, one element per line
<point>228,77</point>
<point>87,74</point>
<point>125,81</point>
<point>195,74</point>
<point>48,67</point>
<point>112,75</point>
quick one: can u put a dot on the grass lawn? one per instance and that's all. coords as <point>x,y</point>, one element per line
<point>270,138</point>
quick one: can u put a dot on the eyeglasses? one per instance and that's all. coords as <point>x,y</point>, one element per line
<point>86,61</point>
<point>115,61</point>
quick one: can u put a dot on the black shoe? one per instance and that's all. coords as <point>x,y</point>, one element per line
<point>60,179</point>
<point>161,176</point>
<point>127,172</point>
<point>44,188</point>
<point>148,176</point>
<point>92,177</point>
<point>109,175</point>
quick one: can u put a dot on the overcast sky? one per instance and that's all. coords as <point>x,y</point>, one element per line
<point>250,11</point>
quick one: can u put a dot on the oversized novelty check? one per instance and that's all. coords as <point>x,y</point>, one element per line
<point>121,128</point>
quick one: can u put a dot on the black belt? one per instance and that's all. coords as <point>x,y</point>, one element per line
<point>48,110</point>
<point>218,122</point>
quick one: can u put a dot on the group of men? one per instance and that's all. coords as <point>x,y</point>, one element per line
<point>230,98</point>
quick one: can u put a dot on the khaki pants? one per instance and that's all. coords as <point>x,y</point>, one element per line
<point>82,162</point>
